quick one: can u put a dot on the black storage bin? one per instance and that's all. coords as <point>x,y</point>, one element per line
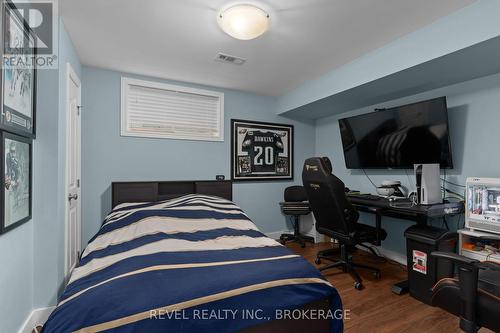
<point>423,270</point>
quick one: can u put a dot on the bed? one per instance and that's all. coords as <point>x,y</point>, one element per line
<point>182,257</point>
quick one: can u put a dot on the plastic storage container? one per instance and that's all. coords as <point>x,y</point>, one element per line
<point>423,270</point>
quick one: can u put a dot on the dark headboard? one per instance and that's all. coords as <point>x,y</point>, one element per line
<point>156,191</point>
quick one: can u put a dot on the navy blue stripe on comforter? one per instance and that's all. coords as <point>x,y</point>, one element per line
<point>192,264</point>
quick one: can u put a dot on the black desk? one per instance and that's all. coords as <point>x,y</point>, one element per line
<point>403,209</point>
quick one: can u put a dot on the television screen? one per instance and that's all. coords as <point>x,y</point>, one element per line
<point>398,138</point>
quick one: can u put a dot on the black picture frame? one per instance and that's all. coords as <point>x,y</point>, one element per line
<point>23,170</point>
<point>12,119</point>
<point>268,158</point>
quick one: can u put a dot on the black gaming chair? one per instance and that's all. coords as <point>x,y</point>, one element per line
<point>335,216</point>
<point>474,295</point>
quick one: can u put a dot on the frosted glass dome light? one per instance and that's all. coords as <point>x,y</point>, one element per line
<point>243,21</point>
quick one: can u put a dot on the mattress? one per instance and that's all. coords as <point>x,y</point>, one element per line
<point>192,264</point>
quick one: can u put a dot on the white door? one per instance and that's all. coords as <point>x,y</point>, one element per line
<point>73,157</point>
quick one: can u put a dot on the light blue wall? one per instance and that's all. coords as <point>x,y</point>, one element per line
<point>16,277</point>
<point>109,157</point>
<point>45,176</point>
<point>49,226</point>
<point>471,25</point>
<point>473,116</point>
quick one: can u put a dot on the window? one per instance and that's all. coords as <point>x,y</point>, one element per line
<point>157,110</point>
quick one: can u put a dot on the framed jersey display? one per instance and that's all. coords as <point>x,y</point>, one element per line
<point>261,151</point>
<point>18,78</point>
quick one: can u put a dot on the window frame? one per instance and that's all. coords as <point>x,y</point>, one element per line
<point>128,81</point>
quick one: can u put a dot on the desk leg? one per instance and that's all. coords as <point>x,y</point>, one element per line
<point>401,288</point>
<point>378,225</point>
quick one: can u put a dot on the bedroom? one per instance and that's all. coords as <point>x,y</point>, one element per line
<point>313,63</point>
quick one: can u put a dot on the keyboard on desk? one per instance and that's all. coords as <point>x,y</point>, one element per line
<point>365,196</point>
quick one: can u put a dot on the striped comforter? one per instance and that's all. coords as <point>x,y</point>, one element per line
<point>191,264</point>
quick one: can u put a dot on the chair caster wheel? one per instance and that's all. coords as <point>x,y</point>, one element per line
<point>317,261</point>
<point>376,275</point>
<point>358,285</point>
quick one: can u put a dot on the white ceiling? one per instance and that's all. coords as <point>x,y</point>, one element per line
<point>179,39</point>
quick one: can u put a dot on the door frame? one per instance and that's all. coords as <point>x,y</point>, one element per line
<point>71,76</point>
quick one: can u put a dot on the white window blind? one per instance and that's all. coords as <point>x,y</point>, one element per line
<point>157,110</point>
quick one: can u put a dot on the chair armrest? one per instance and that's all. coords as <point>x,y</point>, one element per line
<point>462,260</point>
<point>455,258</point>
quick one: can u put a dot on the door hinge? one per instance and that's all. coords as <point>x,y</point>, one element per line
<point>78,109</point>
<point>78,183</point>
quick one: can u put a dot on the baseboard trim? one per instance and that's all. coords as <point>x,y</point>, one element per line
<point>277,234</point>
<point>389,254</point>
<point>36,317</point>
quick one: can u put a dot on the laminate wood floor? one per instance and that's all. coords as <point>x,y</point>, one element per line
<point>376,308</point>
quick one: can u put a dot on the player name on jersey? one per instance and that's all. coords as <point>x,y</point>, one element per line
<point>263,139</point>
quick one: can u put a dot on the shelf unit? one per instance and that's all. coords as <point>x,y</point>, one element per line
<point>472,236</point>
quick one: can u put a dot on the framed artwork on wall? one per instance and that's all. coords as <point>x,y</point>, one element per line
<point>16,193</point>
<point>18,78</point>
<point>261,151</point>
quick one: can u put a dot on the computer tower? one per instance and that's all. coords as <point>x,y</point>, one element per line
<point>428,184</point>
<point>483,204</point>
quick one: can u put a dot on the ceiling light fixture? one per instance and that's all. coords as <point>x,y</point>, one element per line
<point>243,21</point>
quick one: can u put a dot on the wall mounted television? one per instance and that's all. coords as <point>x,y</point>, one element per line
<point>398,138</point>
